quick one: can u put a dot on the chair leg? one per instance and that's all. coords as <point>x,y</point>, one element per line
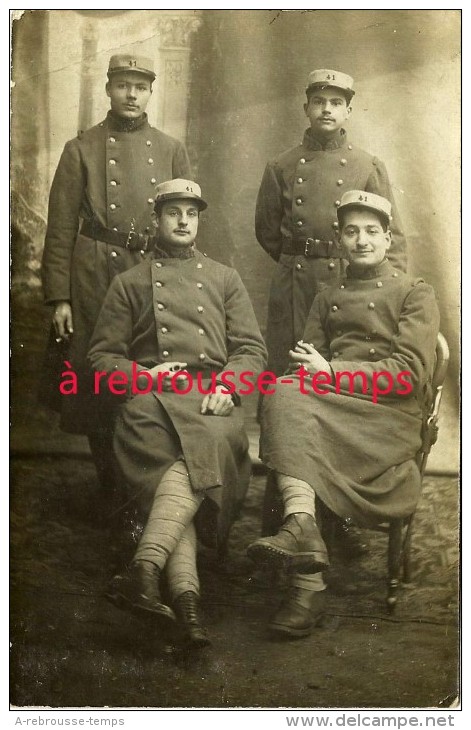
<point>394,562</point>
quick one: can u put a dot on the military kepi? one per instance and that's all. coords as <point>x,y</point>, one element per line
<point>322,78</point>
<point>130,62</point>
<point>179,189</point>
<point>371,201</point>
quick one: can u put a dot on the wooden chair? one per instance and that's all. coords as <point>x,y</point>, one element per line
<point>400,530</point>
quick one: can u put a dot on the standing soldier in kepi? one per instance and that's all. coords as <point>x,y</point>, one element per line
<point>296,215</point>
<point>100,224</point>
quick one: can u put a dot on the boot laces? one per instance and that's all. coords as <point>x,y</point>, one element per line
<point>188,604</point>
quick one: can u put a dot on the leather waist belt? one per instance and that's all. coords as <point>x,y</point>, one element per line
<point>313,248</point>
<point>132,240</point>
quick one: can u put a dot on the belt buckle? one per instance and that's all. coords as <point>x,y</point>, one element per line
<point>309,242</point>
<point>131,233</point>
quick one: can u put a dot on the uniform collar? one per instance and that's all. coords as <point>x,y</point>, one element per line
<point>319,143</point>
<point>120,124</point>
<point>174,252</point>
<point>383,270</point>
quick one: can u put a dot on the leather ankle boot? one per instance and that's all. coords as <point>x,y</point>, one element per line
<point>298,546</point>
<point>293,618</point>
<point>348,540</point>
<point>187,608</point>
<point>138,589</point>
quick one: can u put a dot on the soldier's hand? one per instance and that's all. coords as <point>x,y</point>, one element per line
<point>63,321</point>
<point>219,403</point>
<point>169,378</point>
<point>306,354</point>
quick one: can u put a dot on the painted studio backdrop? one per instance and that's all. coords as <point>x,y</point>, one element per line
<point>230,84</point>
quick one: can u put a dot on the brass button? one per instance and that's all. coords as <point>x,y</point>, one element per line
<point>331,243</point>
<point>112,139</point>
<point>335,354</point>
<point>372,351</point>
<point>395,274</point>
<point>302,161</point>
<point>114,228</point>
<point>201,332</point>
<point>299,201</point>
<point>331,265</point>
<point>150,200</point>
<point>148,143</point>
<point>200,309</point>
<point>150,161</point>
<point>379,284</point>
<point>371,305</point>
<point>339,182</point>
<point>112,206</point>
<point>158,284</point>
<point>142,252</point>
<point>202,356</point>
<point>343,161</point>
<point>334,308</point>
<point>164,330</point>
<point>153,180</point>
<point>113,254</point>
<point>317,240</point>
<point>299,266</point>
<point>337,203</point>
<point>158,265</point>
<point>299,180</point>
<point>199,266</point>
<point>160,306</point>
<point>112,162</point>
<point>199,285</point>
<point>165,353</point>
<point>335,225</point>
<point>342,286</point>
<point>350,147</point>
<point>147,229</point>
<point>299,223</point>
<point>113,183</point>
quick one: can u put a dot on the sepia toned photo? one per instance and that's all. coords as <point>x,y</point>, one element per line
<point>235,359</point>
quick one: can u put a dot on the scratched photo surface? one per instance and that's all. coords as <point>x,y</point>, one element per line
<point>230,86</point>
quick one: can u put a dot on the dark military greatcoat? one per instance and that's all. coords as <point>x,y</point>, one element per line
<point>106,177</point>
<point>359,455</point>
<point>195,311</point>
<point>296,223</point>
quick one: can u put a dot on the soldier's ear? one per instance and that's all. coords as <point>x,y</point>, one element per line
<point>305,106</point>
<point>343,248</point>
<point>388,239</point>
<point>107,88</point>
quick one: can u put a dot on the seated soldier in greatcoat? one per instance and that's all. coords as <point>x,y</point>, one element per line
<point>346,426</point>
<point>179,441</point>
